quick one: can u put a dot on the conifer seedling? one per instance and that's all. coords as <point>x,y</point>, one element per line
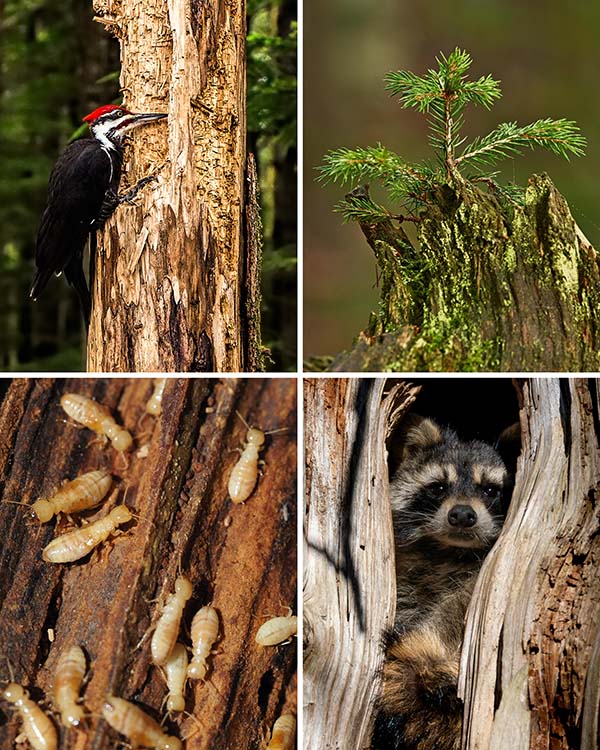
<point>443,95</point>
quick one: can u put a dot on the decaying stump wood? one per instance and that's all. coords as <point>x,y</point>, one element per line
<point>169,279</point>
<point>349,579</point>
<point>529,673</point>
<point>242,558</point>
<point>489,287</point>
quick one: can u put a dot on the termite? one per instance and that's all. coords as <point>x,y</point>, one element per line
<point>154,404</point>
<point>38,728</point>
<point>282,736</point>
<point>142,730</point>
<point>204,631</point>
<point>96,417</point>
<point>68,678</point>
<point>78,543</point>
<point>167,627</point>
<point>81,493</point>
<point>277,630</point>
<point>244,474</point>
<point>176,671</point>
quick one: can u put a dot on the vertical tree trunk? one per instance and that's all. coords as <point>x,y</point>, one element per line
<point>167,291</point>
<point>529,672</point>
<point>242,558</point>
<point>349,586</point>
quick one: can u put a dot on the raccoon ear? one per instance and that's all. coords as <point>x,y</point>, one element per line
<point>421,432</point>
<point>508,446</point>
<point>413,434</point>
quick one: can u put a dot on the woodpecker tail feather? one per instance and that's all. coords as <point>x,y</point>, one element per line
<point>75,276</point>
<point>40,280</point>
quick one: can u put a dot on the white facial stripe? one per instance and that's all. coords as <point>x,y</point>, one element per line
<point>485,474</point>
<point>451,472</point>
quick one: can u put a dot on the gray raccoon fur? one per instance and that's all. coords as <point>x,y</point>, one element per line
<point>448,502</point>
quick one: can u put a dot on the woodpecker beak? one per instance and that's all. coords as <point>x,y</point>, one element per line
<point>134,121</point>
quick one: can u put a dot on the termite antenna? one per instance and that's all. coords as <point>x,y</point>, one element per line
<point>279,429</point>
<point>246,425</point>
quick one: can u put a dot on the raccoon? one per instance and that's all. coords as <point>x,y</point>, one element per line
<point>449,500</point>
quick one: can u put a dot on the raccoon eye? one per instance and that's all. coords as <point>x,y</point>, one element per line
<point>492,491</point>
<point>437,489</point>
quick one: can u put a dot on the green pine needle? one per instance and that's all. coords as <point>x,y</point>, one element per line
<point>562,137</point>
<point>443,95</point>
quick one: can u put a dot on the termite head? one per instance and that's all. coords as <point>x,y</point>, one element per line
<point>255,437</point>
<point>43,509</point>
<point>121,440</point>
<point>183,587</point>
<point>121,514</point>
<point>72,717</point>
<point>196,671</point>
<point>14,693</point>
<point>175,703</point>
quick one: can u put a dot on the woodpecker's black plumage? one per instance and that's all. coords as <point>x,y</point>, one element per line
<point>82,195</point>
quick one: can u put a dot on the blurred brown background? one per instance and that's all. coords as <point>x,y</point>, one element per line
<point>544,53</point>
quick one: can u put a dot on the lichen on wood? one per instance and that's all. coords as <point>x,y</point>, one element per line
<point>490,286</point>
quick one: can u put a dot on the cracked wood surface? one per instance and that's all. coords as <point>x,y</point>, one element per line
<point>168,283</point>
<point>535,616</point>
<point>240,557</point>
<point>349,573</point>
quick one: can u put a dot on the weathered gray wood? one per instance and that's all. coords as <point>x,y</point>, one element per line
<point>535,614</point>
<point>349,581</point>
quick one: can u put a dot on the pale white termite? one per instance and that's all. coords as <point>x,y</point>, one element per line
<point>78,543</point>
<point>96,417</point>
<point>38,728</point>
<point>154,404</point>
<point>139,728</point>
<point>81,493</point>
<point>282,736</point>
<point>176,671</point>
<point>68,678</point>
<point>167,627</point>
<point>244,474</point>
<point>277,630</point>
<point>204,632</point>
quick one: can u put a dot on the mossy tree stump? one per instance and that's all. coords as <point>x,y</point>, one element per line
<point>491,286</point>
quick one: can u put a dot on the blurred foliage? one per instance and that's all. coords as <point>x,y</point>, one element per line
<point>272,129</point>
<point>58,64</point>
<point>47,78</point>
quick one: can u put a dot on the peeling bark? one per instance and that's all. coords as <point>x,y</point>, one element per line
<point>240,557</point>
<point>489,288</point>
<point>168,282</point>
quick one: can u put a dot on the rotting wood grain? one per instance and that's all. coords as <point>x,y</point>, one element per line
<point>168,286</point>
<point>178,492</point>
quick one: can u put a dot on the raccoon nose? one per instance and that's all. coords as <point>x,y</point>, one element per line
<point>463,516</point>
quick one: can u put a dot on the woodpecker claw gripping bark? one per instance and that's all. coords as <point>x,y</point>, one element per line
<point>82,195</point>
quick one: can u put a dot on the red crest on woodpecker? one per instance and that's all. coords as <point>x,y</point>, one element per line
<point>93,116</point>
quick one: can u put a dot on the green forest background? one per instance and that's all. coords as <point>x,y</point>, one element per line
<point>545,53</point>
<point>57,65</point>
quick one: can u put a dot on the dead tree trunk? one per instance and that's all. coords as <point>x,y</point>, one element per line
<point>169,282</point>
<point>242,558</point>
<point>488,288</point>
<point>529,672</point>
<point>349,579</point>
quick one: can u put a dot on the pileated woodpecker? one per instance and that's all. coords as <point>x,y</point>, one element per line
<point>82,195</point>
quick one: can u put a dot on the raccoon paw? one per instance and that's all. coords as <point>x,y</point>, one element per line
<point>419,708</point>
